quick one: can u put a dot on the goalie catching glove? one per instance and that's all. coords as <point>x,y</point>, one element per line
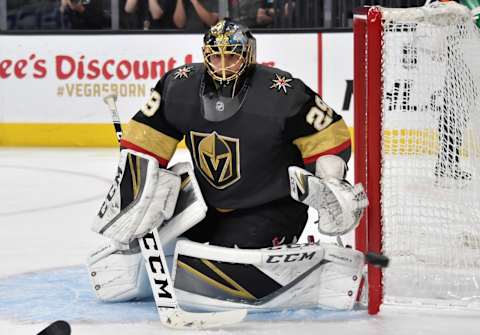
<point>141,198</point>
<point>339,204</point>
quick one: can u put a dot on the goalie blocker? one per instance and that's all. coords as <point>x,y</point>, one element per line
<point>117,271</point>
<point>141,198</point>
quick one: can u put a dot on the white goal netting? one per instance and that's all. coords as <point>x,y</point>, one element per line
<point>430,150</point>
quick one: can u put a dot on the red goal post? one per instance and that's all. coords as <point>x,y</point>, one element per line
<point>417,149</point>
<point>367,25</point>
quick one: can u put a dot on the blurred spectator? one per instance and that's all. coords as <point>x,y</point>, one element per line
<point>84,14</point>
<point>161,14</point>
<point>245,11</point>
<point>148,14</point>
<point>277,13</point>
<point>305,13</point>
<point>195,15</point>
<point>29,14</point>
<point>133,14</point>
<point>266,14</point>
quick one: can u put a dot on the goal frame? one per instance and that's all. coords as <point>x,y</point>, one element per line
<point>441,152</point>
<point>367,28</point>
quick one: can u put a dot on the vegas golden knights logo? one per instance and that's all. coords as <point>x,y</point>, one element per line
<point>217,157</point>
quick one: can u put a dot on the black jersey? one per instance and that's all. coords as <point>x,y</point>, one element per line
<point>240,161</point>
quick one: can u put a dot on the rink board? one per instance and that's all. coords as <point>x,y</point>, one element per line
<point>53,96</point>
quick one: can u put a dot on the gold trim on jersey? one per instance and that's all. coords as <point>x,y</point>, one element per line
<point>237,290</point>
<point>333,136</point>
<point>150,139</point>
<point>225,210</point>
<point>135,174</point>
<point>217,157</point>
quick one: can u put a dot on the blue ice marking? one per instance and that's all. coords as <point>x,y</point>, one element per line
<point>64,294</point>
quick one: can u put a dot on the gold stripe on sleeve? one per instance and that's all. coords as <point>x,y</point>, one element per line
<point>150,139</point>
<point>331,137</point>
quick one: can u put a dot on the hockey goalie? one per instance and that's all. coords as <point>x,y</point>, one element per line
<point>264,148</point>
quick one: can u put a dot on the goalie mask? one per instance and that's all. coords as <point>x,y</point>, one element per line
<point>228,50</point>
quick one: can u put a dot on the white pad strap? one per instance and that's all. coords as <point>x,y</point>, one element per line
<point>140,199</point>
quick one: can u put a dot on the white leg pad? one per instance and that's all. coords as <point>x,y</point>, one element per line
<point>117,273</point>
<point>308,275</point>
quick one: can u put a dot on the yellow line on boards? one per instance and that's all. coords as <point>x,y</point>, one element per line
<point>59,135</point>
<point>395,141</point>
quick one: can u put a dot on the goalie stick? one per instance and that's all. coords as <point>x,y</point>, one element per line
<point>169,311</point>
<point>59,327</point>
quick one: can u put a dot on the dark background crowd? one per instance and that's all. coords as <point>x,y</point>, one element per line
<point>184,15</point>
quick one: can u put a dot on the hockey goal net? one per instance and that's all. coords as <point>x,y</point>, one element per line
<point>417,148</point>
